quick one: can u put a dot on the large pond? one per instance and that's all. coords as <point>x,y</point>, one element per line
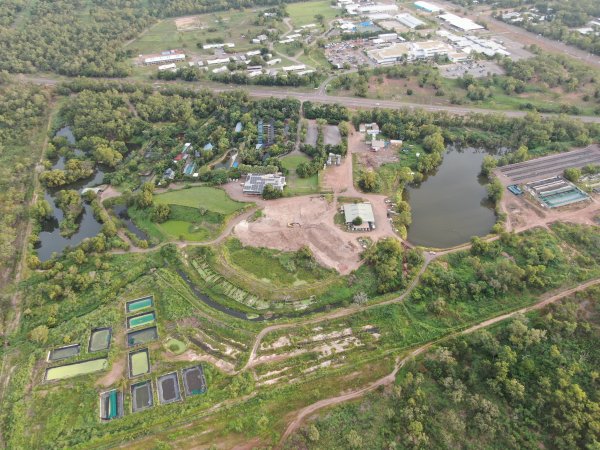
<point>50,239</point>
<point>451,206</point>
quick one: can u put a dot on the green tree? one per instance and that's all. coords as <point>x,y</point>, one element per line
<point>495,190</point>
<point>271,193</point>
<point>160,213</point>
<point>572,174</point>
<point>369,181</point>
<point>39,334</point>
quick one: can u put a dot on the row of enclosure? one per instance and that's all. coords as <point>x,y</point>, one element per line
<point>142,393</point>
<point>99,340</point>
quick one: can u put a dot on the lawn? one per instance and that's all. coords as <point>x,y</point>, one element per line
<point>210,198</point>
<point>304,13</point>
<point>295,184</point>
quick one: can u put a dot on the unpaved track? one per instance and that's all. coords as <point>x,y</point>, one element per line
<point>389,379</point>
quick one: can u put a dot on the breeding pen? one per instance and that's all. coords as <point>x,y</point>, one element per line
<point>74,369</point>
<point>141,396</point>
<point>555,192</point>
<point>168,388</point>
<point>111,405</point>
<point>139,304</point>
<point>139,363</point>
<point>141,319</point>
<point>100,339</point>
<point>194,381</point>
<point>142,336</point>
<point>63,352</point>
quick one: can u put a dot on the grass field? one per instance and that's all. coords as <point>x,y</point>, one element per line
<point>278,268</point>
<point>295,184</point>
<point>228,26</point>
<point>304,13</point>
<point>212,199</point>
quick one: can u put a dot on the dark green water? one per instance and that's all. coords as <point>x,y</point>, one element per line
<point>451,206</point>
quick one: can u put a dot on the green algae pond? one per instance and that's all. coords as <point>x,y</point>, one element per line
<point>75,369</point>
<point>141,319</point>
<point>138,304</point>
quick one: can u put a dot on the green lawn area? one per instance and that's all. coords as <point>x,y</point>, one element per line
<point>295,184</point>
<point>304,13</point>
<point>213,199</point>
<point>315,58</point>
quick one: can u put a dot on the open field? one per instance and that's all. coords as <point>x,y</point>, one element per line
<point>305,12</point>
<point>185,32</point>
<point>213,199</point>
<point>295,184</point>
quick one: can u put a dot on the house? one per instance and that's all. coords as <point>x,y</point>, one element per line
<point>186,147</point>
<point>169,174</point>
<point>239,127</point>
<point>255,183</point>
<point>180,157</point>
<point>359,212</point>
<point>377,144</point>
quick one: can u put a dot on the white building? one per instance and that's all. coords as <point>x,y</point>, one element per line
<point>377,8</point>
<point>166,58</point>
<point>294,68</point>
<point>220,69</point>
<point>286,41</point>
<point>409,51</point>
<point>211,62</point>
<point>219,45</point>
<point>273,61</point>
<point>164,67</point>
<point>253,53</point>
<point>409,20</point>
<point>462,23</point>
<point>429,7</point>
<point>388,37</point>
<point>362,210</point>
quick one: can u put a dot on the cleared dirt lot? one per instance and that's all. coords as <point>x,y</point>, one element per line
<point>331,135</point>
<point>312,132</point>
<point>331,246</point>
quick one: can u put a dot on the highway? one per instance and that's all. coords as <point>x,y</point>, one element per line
<point>317,96</point>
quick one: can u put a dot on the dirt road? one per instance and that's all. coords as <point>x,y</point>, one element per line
<point>390,378</point>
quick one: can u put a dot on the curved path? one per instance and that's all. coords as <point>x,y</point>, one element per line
<point>390,378</point>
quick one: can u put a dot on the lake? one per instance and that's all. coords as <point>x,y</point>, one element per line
<point>450,206</point>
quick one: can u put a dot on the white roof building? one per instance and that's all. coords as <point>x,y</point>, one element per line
<point>429,7</point>
<point>210,62</point>
<point>218,45</point>
<point>409,51</point>
<point>362,210</point>
<point>377,8</point>
<point>409,20</point>
<point>273,61</point>
<point>294,68</point>
<point>253,53</point>
<point>220,69</point>
<point>164,67</point>
<point>462,23</point>
<point>172,57</point>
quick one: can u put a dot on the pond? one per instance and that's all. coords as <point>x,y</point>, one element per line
<point>50,239</point>
<point>451,206</point>
<point>121,212</point>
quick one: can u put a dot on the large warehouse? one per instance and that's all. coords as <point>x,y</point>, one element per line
<point>462,23</point>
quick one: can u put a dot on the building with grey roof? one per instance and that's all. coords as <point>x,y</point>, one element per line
<point>255,183</point>
<point>362,210</point>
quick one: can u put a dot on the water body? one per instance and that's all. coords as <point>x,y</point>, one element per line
<point>121,212</point>
<point>50,240</point>
<point>451,206</point>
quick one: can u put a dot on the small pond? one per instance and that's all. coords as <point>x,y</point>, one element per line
<point>451,206</point>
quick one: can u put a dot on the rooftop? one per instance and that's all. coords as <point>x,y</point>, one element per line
<point>362,210</point>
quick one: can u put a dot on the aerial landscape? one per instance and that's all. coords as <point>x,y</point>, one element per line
<point>318,224</point>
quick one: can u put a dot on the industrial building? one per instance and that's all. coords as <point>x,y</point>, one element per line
<point>409,20</point>
<point>409,51</point>
<point>429,7</point>
<point>462,23</point>
<point>219,45</point>
<point>255,183</point>
<point>364,211</point>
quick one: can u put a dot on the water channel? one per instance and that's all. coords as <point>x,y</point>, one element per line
<point>451,206</point>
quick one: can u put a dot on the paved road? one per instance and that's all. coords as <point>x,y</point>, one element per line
<point>319,96</point>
